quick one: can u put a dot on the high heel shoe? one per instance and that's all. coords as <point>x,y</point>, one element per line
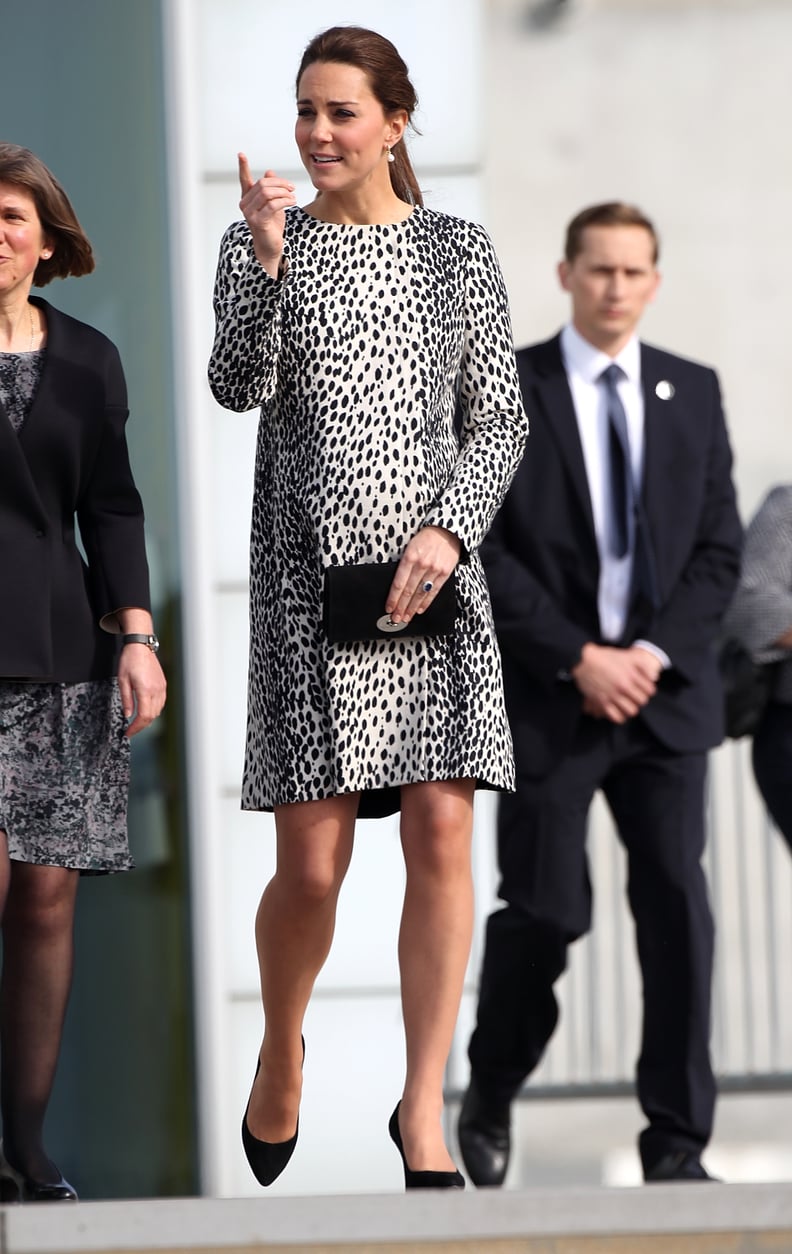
<point>422,1179</point>
<point>267,1159</point>
<point>14,1187</point>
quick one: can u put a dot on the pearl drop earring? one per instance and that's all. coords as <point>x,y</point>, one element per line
<point>391,157</point>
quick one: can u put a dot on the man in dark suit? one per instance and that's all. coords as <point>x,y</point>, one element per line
<point>610,565</point>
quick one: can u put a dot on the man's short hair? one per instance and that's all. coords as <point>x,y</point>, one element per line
<point>611,213</point>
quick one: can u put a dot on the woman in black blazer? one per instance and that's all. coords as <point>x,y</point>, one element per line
<point>78,668</point>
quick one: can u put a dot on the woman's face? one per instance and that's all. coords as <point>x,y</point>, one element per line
<point>22,241</point>
<point>342,131</point>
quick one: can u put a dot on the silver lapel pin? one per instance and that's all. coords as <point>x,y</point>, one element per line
<point>664,390</point>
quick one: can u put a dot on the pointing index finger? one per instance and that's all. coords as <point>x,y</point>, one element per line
<point>245,177</point>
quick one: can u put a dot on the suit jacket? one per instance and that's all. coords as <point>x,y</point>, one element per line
<point>542,560</point>
<point>69,461</point>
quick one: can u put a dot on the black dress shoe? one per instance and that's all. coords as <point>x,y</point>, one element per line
<point>679,1165</point>
<point>267,1159</point>
<point>422,1179</point>
<point>484,1133</point>
<point>14,1187</point>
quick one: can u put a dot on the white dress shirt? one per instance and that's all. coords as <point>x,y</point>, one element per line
<point>584,364</point>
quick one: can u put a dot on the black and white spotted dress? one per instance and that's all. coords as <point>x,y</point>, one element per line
<point>357,357</point>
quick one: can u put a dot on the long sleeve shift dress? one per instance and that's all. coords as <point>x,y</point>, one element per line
<point>358,357</point>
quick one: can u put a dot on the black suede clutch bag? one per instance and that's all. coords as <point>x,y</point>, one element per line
<point>354,605</point>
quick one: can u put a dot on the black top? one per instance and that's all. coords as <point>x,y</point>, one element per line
<point>68,463</point>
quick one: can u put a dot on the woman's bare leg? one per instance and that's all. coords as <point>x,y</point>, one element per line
<point>38,951</point>
<point>434,947</point>
<point>294,930</point>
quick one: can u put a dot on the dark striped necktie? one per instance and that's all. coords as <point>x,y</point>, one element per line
<point>627,525</point>
<point>621,497</point>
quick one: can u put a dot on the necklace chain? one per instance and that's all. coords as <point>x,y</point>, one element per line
<point>32,322</point>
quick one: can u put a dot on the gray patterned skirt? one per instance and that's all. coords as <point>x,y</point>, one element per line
<point>64,775</point>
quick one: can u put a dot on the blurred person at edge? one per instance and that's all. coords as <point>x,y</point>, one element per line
<point>78,668</point>
<point>355,323</point>
<point>610,566</point>
<point>760,616</point>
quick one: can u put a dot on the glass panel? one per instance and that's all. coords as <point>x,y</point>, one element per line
<point>84,90</point>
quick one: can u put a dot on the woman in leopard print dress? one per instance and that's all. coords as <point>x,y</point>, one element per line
<point>359,324</point>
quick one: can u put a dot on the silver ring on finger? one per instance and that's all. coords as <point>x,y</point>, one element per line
<point>427,587</point>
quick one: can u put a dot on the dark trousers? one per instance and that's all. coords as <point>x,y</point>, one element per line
<point>772,764</point>
<point>657,802</point>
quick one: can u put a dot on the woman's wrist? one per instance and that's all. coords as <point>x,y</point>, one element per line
<point>135,621</point>
<point>275,266</point>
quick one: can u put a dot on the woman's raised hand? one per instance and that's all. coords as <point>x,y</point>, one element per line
<point>263,204</point>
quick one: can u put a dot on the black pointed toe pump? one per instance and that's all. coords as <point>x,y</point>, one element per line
<point>267,1159</point>
<point>16,1187</point>
<point>422,1179</point>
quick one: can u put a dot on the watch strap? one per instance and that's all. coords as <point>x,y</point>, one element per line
<point>139,637</point>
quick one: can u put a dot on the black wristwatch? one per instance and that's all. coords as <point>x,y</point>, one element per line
<point>138,637</point>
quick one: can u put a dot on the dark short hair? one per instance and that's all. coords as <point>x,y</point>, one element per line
<point>390,83</point>
<point>610,213</point>
<point>72,253</point>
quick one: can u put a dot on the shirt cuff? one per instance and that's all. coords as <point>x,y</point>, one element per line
<point>662,657</point>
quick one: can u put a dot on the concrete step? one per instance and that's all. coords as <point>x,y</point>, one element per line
<point>659,1219</point>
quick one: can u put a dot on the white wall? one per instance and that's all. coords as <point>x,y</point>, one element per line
<point>684,107</point>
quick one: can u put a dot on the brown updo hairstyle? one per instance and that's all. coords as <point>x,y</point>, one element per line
<point>72,253</point>
<point>390,83</point>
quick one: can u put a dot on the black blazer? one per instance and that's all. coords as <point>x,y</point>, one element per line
<point>542,561</point>
<point>69,461</point>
